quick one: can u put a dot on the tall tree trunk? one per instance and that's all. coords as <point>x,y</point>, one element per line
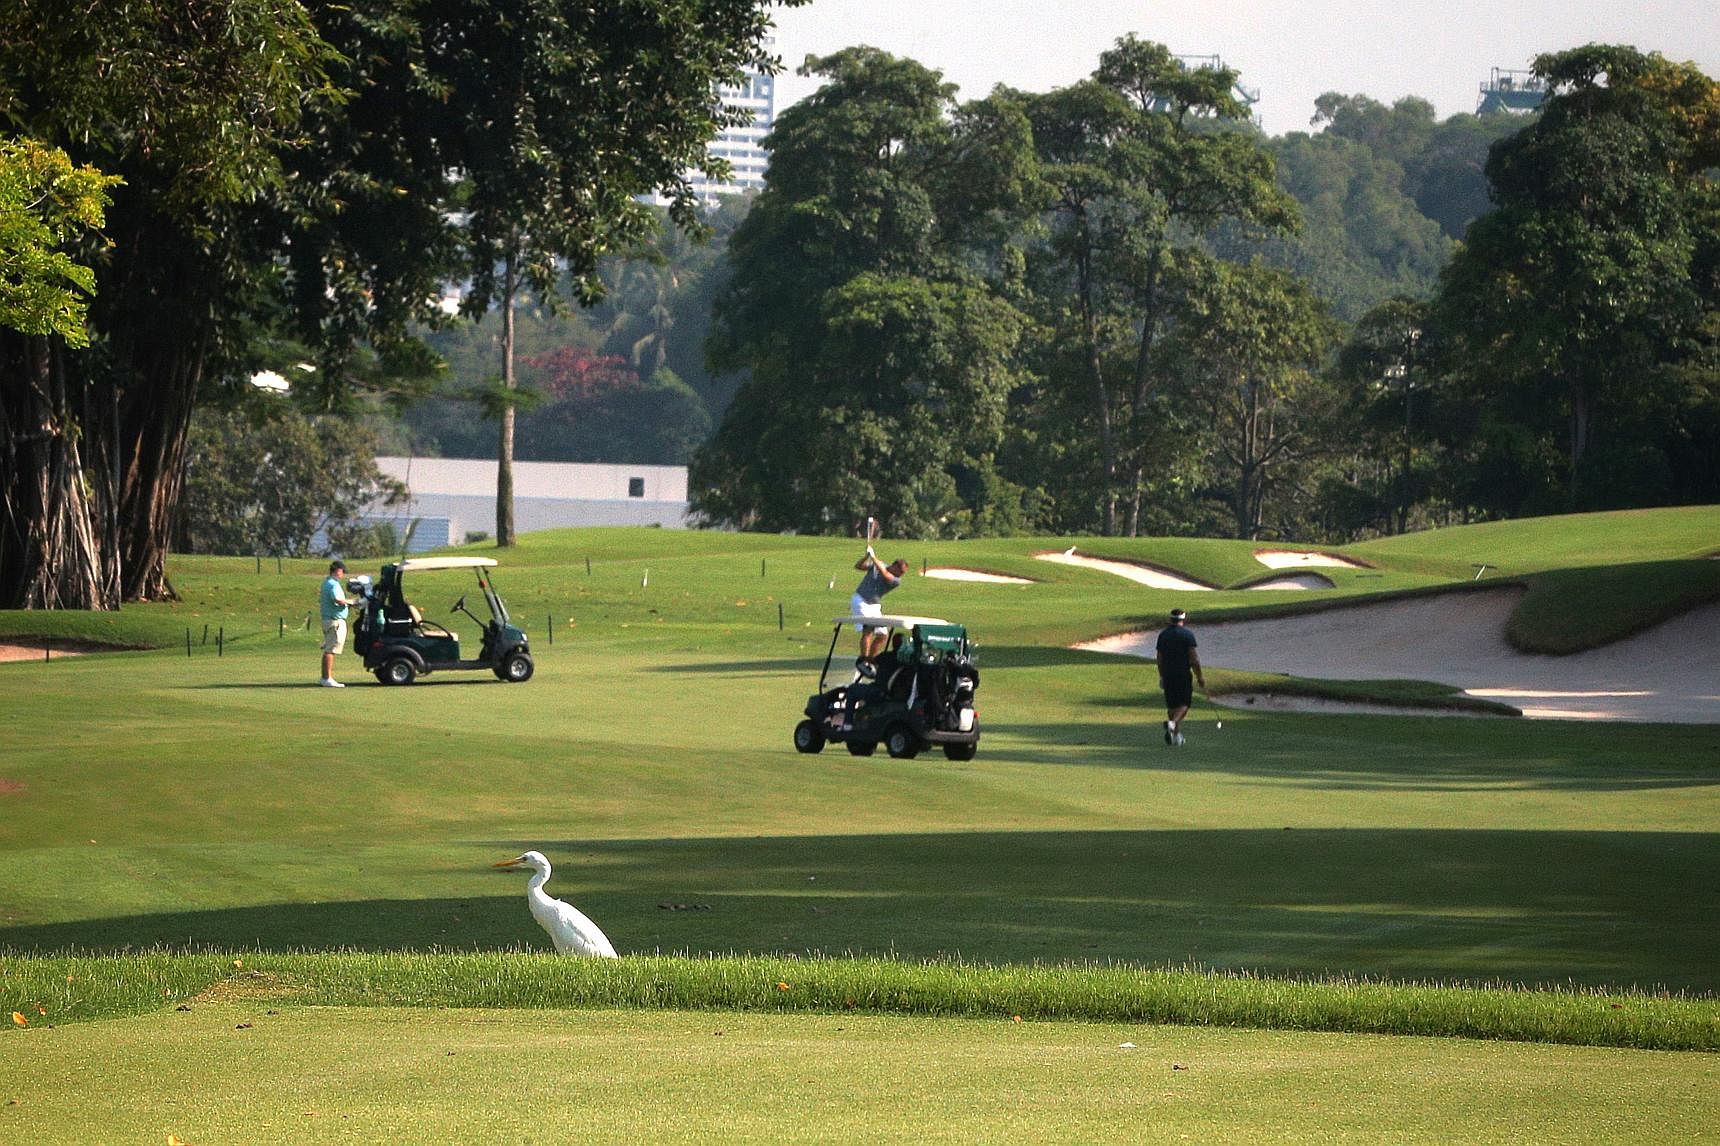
<point>1581,418</point>
<point>1149,301</point>
<point>50,549</point>
<point>505,443</point>
<point>1096,370</point>
<point>155,423</point>
<point>1247,503</point>
<point>161,317</point>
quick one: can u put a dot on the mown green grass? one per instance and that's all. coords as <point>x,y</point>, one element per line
<point>252,1071</point>
<point>1531,545</point>
<point>227,802</point>
<point>1317,867</point>
<point>58,990</point>
<point>735,582</point>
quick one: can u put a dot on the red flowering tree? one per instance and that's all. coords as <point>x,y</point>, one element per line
<point>575,373</point>
<point>598,408</point>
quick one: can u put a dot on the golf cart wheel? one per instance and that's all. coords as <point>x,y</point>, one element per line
<point>960,751</point>
<point>516,668</point>
<point>862,747</point>
<point>808,738</point>
<point>901,742</point>
<point>397,670</point>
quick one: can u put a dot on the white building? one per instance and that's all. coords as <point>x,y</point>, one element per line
<point>741,146</point>
<point>451,498</point>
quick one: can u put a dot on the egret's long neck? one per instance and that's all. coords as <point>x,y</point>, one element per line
<point>540,876</point>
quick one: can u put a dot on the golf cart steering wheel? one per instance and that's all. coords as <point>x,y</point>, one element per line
<point>458,605</point>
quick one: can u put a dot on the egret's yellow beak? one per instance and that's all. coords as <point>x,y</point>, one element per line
<point>508,863</point>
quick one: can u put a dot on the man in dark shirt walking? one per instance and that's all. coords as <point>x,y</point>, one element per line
<point>1179,668</point>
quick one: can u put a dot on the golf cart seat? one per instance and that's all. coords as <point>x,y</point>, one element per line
<point>406,618</point>
<point>897,677</point>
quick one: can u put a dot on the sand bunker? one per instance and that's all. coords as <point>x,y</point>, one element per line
<point>1295,581</point>
<point>1277,702</point>
<point>1294,559</point>
<point>34,652</point>
<point>947,574</point>
<point>1134,571</point>
<point>1668,673</point>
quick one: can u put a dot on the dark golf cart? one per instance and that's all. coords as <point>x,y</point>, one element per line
<point>916,693</point>
<point>399,645</point>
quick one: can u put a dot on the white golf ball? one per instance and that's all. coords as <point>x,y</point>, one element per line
<point>1220,724</point>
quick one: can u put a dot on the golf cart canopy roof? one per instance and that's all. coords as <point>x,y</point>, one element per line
<point>890,622</point>
<point>412,564</point>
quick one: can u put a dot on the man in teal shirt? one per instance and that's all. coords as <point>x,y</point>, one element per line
<point>334,611</point>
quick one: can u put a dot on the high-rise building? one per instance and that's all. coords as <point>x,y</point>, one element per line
<point>1512,91</point>
<point>741,146</point>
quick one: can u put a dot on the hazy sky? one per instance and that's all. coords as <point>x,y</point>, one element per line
<point>1290,50</point>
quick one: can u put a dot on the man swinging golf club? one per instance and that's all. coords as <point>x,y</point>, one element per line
<point>868,598</point>
<point>1179,668</point>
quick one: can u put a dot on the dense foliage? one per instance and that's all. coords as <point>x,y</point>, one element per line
<point>1584,313</point>
<point>1108,244</point>
<point>267,479</point>
<point>1028,312</point>
<point>45,204</point>
<point>880,357</point>
<point>653,316</point>
<point>313,172</point>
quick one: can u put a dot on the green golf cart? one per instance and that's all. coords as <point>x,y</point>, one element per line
<point>399,645</point>
<point>918,692</point>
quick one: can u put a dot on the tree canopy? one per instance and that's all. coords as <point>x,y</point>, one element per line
<point>1584,311</point>
<point>880,361</point>
<point>310,172</point>
<point>46,205</point>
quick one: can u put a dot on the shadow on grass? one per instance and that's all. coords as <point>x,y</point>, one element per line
<point>1373,753</point>
<point>487,678</point>
<point>774,666</point>
<point>999,657</point>
<point>1592,908</point>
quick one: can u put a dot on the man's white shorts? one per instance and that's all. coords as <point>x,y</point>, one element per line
<point>859,607</point>
<point>334,636</point>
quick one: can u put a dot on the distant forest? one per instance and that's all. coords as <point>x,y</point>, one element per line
<point>1118,308</point>
<point>1384,192</point>
<point>1112,308</point>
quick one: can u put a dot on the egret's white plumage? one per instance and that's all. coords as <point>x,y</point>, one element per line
<point>569,928</point>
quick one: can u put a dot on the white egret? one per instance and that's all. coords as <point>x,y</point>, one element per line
<point>569,928</point>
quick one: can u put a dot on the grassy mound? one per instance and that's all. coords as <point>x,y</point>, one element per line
<point>61,990</point>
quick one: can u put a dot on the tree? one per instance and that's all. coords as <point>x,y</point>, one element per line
<point>188,104</point>
<point>1138,160</point>
<point>880,358</point>
<point>1388,363</point>
<point>1363,239</point>
<point>656,309</point>
<point>1588,298</point>
<point>289,173</point>
<point>1250,355</point>
<point>45,204</point>
<point>48,549</point>
<point>1448,177</point>
<point>559,117</point>
<point>598,409</point>
<point>266,479</point>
